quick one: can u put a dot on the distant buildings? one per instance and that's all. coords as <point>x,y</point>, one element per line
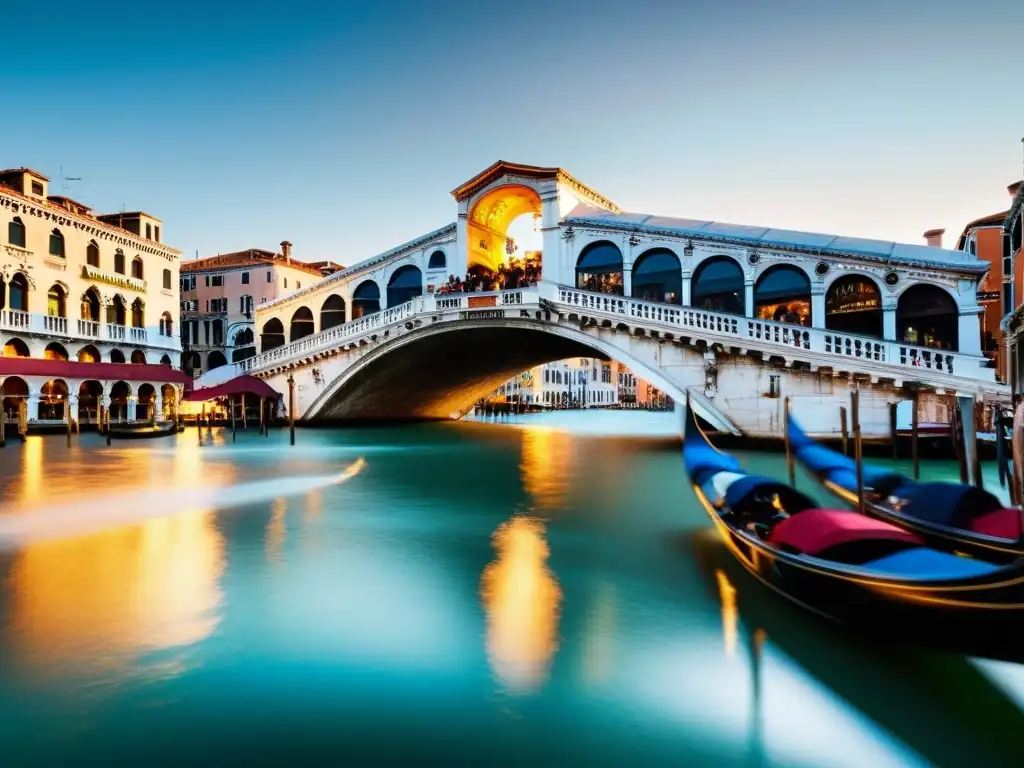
<point>580,383</point>
<point>219,295</point>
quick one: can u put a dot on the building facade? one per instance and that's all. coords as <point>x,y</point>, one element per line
<point>1012,269</point>
<point>573,383</point>
<point>79,288</point>
<point>219,296</point>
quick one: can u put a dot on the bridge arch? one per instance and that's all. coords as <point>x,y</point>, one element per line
<point>718,285</point>
<point>406,283</point>
<point>782,293</point>
<point>489,219</point>
<point>301,324</point>
<point>272,335</point>
<point>365,299</point>
<point>599,268</point>
<point>658,276</point>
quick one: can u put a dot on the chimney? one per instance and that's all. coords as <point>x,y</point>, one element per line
<point>933,237</point>
<point>286,251</point>
<point>1014,188</point>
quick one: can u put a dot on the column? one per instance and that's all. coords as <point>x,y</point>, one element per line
<point>748,293</point>
<point>889,322</point>
<point>158,405</point>
<point>687,274</point>
<point>555,252</point>
<point>969,331</point>
<point>627,277</point>
<point>818,306</point>
<point>32,406</point>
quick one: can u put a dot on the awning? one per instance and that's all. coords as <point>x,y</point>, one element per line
<point>70,369</point>
<point>240,385</point>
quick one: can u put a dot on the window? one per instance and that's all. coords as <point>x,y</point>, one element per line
<point>245,278</point>
<point>37,188</point>
<point>157,230</point>
<point>286,282</point>
<point>16,232</point>
<point>149,232</point>
<point>57,244</point>
<point>167,279</point>
<point>298,285</point>
<point>217,281</point>
<point>119,261</point>
<point>137,268</point>
<point>269,278</point>
<point>774,385</point>
<point>207,281</point>
<point>92,254</point>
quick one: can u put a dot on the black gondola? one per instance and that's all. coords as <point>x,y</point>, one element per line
<point>141,430</point>
<point>950,516</point>
<point>855,569</point>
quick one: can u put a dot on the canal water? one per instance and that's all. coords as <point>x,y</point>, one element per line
<point>541,591</point>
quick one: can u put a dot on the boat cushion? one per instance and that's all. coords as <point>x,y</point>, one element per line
<point>1003,524</point>
<point>924,563</point>
<point>814,531</point>
<point>949,504</point>
<point>741,491</point>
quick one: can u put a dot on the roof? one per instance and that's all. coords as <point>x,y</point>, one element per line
<point>127,215</point>
<point>253,257</point>
<point>71,369</point>
<point>503,167</point>
<point>992,220</point>
<point>63,199</point>
<point>24,170</point>
<point>768,237</point>
<point>240,385</point>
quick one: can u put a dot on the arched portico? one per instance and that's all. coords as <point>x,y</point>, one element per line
<point>782,294</point>
<point>928,316</point>
<point>489,218</point>
<point>853,304</point>
<point>405,284</point>
<point>365,299</point>
<point>272,335</point>
<point>718,285</point>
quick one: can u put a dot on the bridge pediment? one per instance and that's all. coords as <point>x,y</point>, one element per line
<point>503,172</point>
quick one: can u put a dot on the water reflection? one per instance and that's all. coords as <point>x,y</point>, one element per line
<point>276,529</point>
<point>599,649</point>
<point>522,601</point>
<point>100,600</point>
<point>730,617</point>
<point>32,469</point>
<point>546,466</point>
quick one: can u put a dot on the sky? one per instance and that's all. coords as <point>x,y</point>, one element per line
<point>343,126</point>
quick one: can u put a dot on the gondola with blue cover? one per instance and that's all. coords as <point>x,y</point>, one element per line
<point>856,569</point>
<point>950,516</point>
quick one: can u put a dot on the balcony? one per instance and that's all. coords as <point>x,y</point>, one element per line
<point>30,323</point>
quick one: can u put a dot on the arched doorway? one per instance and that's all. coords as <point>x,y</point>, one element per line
<point>18,291</point>
<point>138,357</point>
<point>88,354</point>
<point>599,268</point>
<point>55,351</point>
<point>928,316</point>
<point>215,360</point>
<point>853,304</point>
<point>16,348</point>
<point>405,285</point>
<point>56,301</point>
<point>116,310</point>
<point>165,360</point>
<point>782,294</point>
<point>332,313</point>
<point>272,335</point>
<point>91,305</point>
<point>89,397</point>
<point>138,314</point>
<point>120,394</point>
<point>169,395</point>
<point>53,399</point>
<point>145,402</point>
<point>365,299</point>
<point>487,226</point>
<point>718,286</point>
<point>301,324</point>
<point>116,356</point>
<point>658,276</point>
<point>15,392</point>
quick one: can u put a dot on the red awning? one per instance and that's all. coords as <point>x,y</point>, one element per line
<point>240,385</point>
<point>69,369</point>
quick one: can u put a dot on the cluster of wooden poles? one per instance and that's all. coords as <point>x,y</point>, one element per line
<point>265,406</point>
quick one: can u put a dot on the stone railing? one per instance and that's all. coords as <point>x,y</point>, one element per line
<point>740,331</point>
<point>65,329</point>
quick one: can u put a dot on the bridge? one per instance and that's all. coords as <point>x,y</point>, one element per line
<point>738,317</point>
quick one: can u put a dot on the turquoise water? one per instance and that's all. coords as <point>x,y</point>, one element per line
<point>546,591</point>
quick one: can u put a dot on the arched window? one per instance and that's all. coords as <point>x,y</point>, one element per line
<point>138,357</point>
<point>365,299</point>
<point>149,231</point>
<point>783,294</point>
<point>19,292</point>
<point>16,232</point>
<point>599,268</point>
<point>166,324</point>
<point>437,260</point>
<point>658,276</point>
<point>137,268</point>
<point>244,338</point>
<point>165,360</point>
<point>853,304</point>
<point>16,348</point>
<point>92,254</point>
<point>119,394</point>
<point>717,286</point>
<point>927,316</point>
<point>91,305</point>
<point>138,314</point>
<point>215,360</point>
<point>116,356</point>
<point>272,335</point>
<point>56,302</point>
<point>167,280</point>
<point>88,354</point>
<point>119,261</point>
<point>116,311</point>
<point>405,284</point>
<point>57,244</point>
<point>144,402</point>
<point>53,397</point>
<point>55,351</point>
<point>301,325</point>
<point>332,313</point>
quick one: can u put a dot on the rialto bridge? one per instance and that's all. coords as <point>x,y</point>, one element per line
<point>738,316</point>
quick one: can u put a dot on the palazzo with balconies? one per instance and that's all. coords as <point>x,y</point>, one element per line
<point>88,308</point>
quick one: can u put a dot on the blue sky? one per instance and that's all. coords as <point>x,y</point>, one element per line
<point>343,126</point>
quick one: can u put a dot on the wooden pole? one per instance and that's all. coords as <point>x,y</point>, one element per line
<point>914,430</point>
<point>3,423</point>
<point>857,446</point>
<point>960,443</point>
<point>262,415</point>
<point>893,432</point>
<point>67,417</point>
<point>245,419</point>
<point>790,467</point>
<point>234,433</point>
<point>842,426</point>
<point>291,406</point>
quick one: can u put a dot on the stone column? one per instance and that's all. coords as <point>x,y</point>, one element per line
<point>818,306</point>
<point>748,297</point>
<point>969,331</point>
<point>627,276</point>
<point>158,406</point>
<point>687,274</point>
<point>889,321</point>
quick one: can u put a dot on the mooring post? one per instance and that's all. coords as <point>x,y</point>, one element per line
<point>291,406</point>
<point>844,429</point>
<point>67,418</point>
<point>893,430</point>
<point>3,423</point>
<point>262,415</point>
<point>234,434</point>
<point>790,467</point>
<point>857,446</point>
<point>245,419</point>
<point>914,433</point>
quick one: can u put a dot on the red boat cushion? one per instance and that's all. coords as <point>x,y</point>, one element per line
<point>816,530</point>
<point>1003,523</point>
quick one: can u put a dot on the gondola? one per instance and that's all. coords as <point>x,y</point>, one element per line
<point>854,569</point>
<point>143,430</point>
<point>951,516</point>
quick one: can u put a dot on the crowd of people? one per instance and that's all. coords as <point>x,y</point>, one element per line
<point>515,274</point>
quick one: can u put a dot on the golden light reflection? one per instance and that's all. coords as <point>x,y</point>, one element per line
<point>730,618</point>
<point>314,506</point>
<point>32,469</point>
<point>599,651</point>
<point>104,598</point>
<point>276,529</point>
<point>521,598</point>
<point>546,466</point>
